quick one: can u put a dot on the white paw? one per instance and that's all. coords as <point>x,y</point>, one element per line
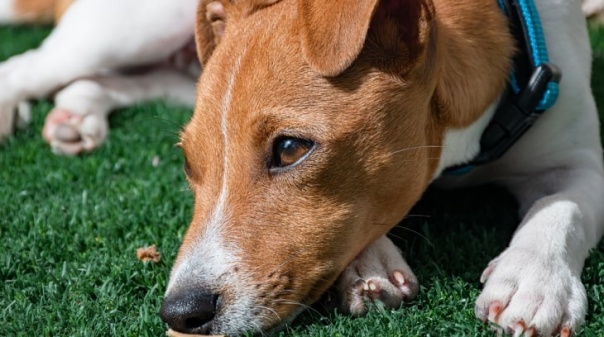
<point>528,293</point>
<point>72,134</point>
<point>378,275</point>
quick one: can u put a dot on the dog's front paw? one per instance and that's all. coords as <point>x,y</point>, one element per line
<point>379,275</point>
<point>71,134</point>
<point>528,293</point>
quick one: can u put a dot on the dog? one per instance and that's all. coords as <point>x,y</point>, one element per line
<point>318,125</point>
<point>594,8</point>
<point>98,75</point>
<point>101,56</point>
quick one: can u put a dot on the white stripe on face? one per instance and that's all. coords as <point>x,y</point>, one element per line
<point>209,258</point>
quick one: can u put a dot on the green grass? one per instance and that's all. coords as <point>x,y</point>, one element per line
<point>69,228</point>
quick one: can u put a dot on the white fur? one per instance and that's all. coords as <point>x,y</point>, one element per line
<point>7,12</point>
<point>91,100</point>
<point>212,258</point>
<point>370,278</point>
<point>463,144</point>
<point>555,171</point>
<point>85,44</point>
<point>593,7</point>
<point>216,259</point>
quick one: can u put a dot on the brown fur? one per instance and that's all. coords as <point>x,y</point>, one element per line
<point>60,8</point>
<point>394,85</point>
<point>42,11</point>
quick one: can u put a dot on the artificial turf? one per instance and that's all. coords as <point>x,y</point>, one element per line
<point>69,229</point>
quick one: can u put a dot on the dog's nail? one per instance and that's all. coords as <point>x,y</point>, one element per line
<point>530,332</point>
<point>481,313</point>
<point>494,311</point>
<point>372,286</point>
<point>399,277</point>
<point>486,273</point>
<point>519,328</point>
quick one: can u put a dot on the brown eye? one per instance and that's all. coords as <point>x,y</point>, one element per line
<point>288,151</point>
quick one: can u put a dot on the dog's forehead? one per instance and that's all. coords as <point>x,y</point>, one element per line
<point>258,78</point>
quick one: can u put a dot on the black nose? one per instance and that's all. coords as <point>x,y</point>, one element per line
<point>190,311</point>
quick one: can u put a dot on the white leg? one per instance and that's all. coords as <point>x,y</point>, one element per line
<point>379,274</point>
<point>592,7</point>
<point>534,286</point>
<point>79,121</point>
<point>93,36</point>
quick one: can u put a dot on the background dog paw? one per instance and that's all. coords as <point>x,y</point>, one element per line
<point>71,134</point>
<point>378,275</point>
<point>528,293</point>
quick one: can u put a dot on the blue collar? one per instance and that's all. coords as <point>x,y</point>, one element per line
<point>532,88</point>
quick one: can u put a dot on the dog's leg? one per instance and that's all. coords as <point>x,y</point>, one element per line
<point>534,287</point>
<point>93,36</point>
<point>378,274</point>
<point>593,7</point>
<point>79,122</point>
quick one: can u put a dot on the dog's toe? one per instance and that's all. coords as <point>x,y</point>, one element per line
<point>526,294</point>
<point>376,290</point>
<point>71,134</point>
<point>379,275</point>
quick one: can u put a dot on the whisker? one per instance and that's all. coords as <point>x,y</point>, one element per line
<point>417,148</point>
<point>258,328</point>
<point>417,216</point>
<point>170,132</point>
<point>298,304</point>
<point>178,125</point>
<point>414,232</point>
<point>268,309</point>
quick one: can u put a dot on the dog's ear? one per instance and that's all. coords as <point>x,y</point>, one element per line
<point>211,19</point>
<point>334,32</point>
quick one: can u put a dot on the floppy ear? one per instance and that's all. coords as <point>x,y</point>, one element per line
<point>334,32</point>
<point>211,21</point>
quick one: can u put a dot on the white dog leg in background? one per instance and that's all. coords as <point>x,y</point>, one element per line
<point>535,286</point>
<point>378,274</point>
<point>593,8</point>
<point>94,35</point>
<point>79,121</point>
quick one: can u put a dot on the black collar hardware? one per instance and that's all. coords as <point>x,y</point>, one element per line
<point>519,106</point>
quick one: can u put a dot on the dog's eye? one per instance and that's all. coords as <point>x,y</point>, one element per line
<point>289,151</point>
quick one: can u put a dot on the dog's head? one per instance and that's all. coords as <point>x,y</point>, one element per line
<point>318,125</point>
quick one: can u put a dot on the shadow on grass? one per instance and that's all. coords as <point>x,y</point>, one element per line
<point>447,235</point>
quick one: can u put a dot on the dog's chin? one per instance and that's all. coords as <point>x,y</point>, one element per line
<point>281,325</point>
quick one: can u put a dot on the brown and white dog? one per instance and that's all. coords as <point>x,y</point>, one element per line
<point>319,124</point>
<point>103,55</point>
<point>87,63</point>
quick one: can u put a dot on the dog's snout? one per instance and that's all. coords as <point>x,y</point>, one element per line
<point>190,311</point>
